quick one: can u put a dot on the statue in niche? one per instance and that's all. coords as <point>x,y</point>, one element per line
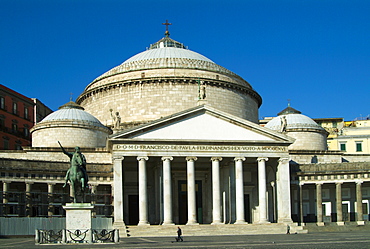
<point>76,174</point>
<point>283,123</point>
<point>202,90</point>
<point>116,119</point>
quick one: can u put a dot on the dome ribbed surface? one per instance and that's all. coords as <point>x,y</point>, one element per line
<point>294,121</point>
<point>167,52</point>
<point>72,112</point>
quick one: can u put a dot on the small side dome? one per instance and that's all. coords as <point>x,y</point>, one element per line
<point>72,126</point>
<point>72,111</point>
<point>308,134</point>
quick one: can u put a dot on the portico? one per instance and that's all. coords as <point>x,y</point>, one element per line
<point>210,180</point>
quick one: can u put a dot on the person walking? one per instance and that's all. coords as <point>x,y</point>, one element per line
<point>179,233</point>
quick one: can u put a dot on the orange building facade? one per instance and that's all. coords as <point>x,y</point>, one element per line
<point>16,119</point>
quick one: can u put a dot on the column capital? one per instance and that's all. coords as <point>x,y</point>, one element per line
<point>142,158</point>
<point>319,183</point>
<point>216,159</point>
<point>338,183</point>
<point>259,159</point>
<point>116,158</point>
<point>191,158</point>
<point>283,159</point>
<point>165,158</point>
<point>29,182</point>
<point>359,182</point>
<point>239,159</point>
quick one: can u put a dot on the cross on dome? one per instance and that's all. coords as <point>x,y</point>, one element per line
<point>167,33</point>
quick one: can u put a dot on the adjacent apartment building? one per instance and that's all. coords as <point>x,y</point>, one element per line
<point>18,114</point>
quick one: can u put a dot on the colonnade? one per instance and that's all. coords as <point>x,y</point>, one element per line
<point>338,201</point>
<point>283,189</point>
<point>47,198</point>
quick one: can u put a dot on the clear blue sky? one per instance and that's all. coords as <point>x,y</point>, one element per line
<point>314,52</point>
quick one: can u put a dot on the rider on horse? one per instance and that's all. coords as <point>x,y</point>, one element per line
<point>77,159</point>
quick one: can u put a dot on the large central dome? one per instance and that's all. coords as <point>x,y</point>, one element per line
<point>163,80</point>
<point>167,48</point>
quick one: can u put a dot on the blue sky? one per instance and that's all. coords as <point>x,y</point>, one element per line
<point>314,52</point>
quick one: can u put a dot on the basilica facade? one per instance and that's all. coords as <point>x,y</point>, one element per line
<point>171,137</point>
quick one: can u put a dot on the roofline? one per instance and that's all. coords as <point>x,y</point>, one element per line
<point>16,93</point>
<point>205,108</point>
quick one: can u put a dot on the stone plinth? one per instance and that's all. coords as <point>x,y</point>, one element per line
<point>78,217</point>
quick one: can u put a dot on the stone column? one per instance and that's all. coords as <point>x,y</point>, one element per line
<point>118,194</point>
<point>167,193</point>
<point>239,190</point>
<point>262,189</point>
<point>283,191</point>
<point>28,199</point>
<point>192,204</point>
<point>71,194</point>
<point>338,190</point>
<point>216,192</point>
<point>360,220</point>
<point>50,199</point>
<point>5,197</point>
<point>273,187</point>
<point>93,197</point>
<point>319,214</point>
<point>301,203</point>
<point>143,197</point>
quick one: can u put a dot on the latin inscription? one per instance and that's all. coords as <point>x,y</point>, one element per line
<point>159,147</point>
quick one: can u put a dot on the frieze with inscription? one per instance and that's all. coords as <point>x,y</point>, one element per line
<point>165,147</point>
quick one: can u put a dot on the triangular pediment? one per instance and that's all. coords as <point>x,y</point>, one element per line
<point>203,124</point>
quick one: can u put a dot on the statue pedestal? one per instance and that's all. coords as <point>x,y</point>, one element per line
<point>201,102</point>
<point>78,223</point>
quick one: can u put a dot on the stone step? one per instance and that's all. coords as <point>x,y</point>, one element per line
<point>334,227</point>
<point>222,229</point>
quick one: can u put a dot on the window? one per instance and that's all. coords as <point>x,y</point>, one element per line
<point>2,103</point>
<point>343,147</point>
<point>15,108</point>
<point>6,144</point>
<point>14,128</point>
<point>26,114</point>
<point>26,131</point>
<point>335,124</point>
<point>358,146</point>
<point>2,124</point>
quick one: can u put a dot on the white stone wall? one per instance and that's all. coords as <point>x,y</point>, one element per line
<point>357,158</point>
<point>307,140</point>
<point>167,67</point>
<point>315,158</point>
<point>57,156</point>
<point>145,102</point>
<point>69,137</point>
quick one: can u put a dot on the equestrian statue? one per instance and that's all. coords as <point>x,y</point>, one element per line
<point>76,174</point>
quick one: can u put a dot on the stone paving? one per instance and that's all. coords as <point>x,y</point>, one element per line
<point>358,239</point>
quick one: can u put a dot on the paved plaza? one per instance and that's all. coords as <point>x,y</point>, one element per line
<point>358,239</point>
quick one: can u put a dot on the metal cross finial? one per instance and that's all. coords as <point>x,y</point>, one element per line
<point>167,24</point>
<point>167,33</point>
<point>288,102</point>
<point>70,98</point>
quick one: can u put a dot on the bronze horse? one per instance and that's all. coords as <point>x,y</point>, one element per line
<point>76,174</point>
